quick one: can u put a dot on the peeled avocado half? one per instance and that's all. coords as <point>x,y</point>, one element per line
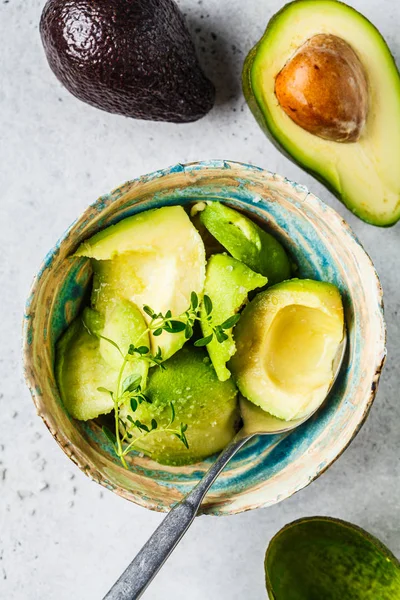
<point>228,282</point>
<point>324,86</point>
<point>286,339</point>
<point>206,405</point>
<point>155,258</point>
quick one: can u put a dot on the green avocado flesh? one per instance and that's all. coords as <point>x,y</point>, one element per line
<point>363,174</point>
<point>124,325</point>
<point>156,258</point>
<point>208,406</point>
<point>247,242</point>
<point>319,558</point>
<point>228,282</point>
<point>286,340</point>
<point>174,400</point>
<point>158,230</point>
<point>86,362</point>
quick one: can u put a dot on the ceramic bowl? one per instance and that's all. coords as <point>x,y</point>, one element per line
<point>268,469</point>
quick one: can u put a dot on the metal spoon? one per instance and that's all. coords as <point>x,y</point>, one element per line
<point>145,566</point>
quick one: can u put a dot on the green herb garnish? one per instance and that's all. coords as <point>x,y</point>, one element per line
<point>143,353</point>
<point>166,322</point>
<point>216,330</point>
<point>129,389</point>
<point>185,322</point>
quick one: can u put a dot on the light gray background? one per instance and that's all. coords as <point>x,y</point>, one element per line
<point>62,536</point>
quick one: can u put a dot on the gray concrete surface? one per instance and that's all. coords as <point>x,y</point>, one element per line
<point>62,536</point>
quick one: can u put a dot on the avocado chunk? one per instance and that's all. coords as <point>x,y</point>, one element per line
<point>211,244</point>
<point>324,86</point>
<point>123,326</point>
<point>247,242</point>
<point>80,371</point>
<point>323,558</point>
<point>130,57</point>
<point>156,230</point>
<point>228,282</point>
<point>93,321</point>
<point>155,258</point>
<point>206,405</point>
<point>287,339</point>
<point>86,362</point>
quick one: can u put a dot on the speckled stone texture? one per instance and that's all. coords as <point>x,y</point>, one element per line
<point>61,535</point>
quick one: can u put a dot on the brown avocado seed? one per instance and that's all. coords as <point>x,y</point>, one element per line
<point>323,88</point>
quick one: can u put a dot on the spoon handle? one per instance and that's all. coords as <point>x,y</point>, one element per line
<point>145,566</point>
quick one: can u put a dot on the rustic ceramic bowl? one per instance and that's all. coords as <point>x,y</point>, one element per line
<point>268,469</point>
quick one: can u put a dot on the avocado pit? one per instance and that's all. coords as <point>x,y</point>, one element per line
<point>323,88</point>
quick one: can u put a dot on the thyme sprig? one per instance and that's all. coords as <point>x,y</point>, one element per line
<point>216,330</point>
<point>140,352</point>
<point>143,353</point>
<point>130,390</point>
<point>166,322</point>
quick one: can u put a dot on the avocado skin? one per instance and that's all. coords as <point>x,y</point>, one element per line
<point>129,57</point>
<point>317,558</point>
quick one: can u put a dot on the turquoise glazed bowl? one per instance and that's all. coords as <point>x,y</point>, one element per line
<point>268,469</point>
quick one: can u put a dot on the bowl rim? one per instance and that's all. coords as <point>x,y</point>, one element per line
<point>209,165</point>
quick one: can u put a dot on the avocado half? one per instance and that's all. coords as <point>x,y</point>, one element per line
<point>363,174</point>
<point>321,558</point>
<point>286,342</point>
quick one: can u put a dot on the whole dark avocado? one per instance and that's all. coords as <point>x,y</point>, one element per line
<point>130,57</point>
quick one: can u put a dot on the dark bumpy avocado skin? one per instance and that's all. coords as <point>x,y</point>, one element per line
<point>130,57</point>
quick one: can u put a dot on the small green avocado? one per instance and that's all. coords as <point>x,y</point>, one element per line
<point>247,242</point>
<point>206,405</point>
<point>86,361</point>
<point>130,57</point>
<point>320,558</point>
<point>325,88</point>
<point>228,282</point>
<point>286,339</point>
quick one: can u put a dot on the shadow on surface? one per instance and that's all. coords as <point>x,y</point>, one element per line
<point>219,57</point>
